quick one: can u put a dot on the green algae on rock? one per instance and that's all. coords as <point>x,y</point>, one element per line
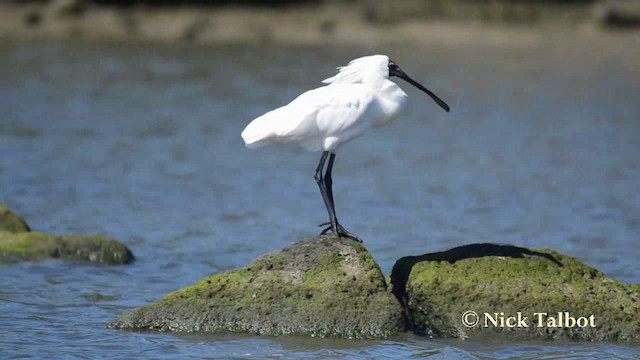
<point>325,286</point>
<point>33,246</point>
<point>501,281</point>
<point>11,222</point>
<point>18,243</point>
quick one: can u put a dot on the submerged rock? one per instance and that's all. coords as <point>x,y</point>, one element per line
<point>30,246</point>
<point>11,222</point>
<point>485,289</point>
<point>323,286</point>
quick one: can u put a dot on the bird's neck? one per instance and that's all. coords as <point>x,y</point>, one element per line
<point>393,100</point>
<point>392,92</point>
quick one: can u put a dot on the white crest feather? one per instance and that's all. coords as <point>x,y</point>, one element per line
<point>357,69</point>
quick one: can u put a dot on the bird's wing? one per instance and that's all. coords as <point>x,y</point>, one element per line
<point>326,111</point>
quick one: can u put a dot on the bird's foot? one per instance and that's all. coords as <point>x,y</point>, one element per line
<point>327,229</point>
<point>339,231</point>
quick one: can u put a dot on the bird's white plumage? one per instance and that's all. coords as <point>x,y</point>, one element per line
<point>359,97</point>
<point>361,70</point>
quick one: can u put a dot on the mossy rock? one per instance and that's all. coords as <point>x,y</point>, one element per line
<point>34,246</point>
<point>11,222</point>
<point>325,286</point>
<point>437,289</point>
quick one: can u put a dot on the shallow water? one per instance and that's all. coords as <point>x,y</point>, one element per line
<point>142,144</point>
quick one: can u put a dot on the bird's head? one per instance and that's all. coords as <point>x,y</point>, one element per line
<point>394,70</point>
<point>373,69</point>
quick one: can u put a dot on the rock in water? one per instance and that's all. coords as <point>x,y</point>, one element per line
<point>11,222</point>
<point>323,286</point>
<point>501,290</point>
<point>18,243</point>
<point>33,246</point>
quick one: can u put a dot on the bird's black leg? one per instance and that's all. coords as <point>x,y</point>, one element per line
<point>323,188</point>
<point>334,225</point>
<point>328,181</point>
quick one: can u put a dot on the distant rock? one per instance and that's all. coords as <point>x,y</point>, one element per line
<point>325,286</point>
<point>34,246</point>
<point>618,13</point>
<point>18,243</point>
<point>11,222</point>
<point>445,293</point>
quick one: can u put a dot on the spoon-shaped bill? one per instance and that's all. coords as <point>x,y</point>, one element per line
<point>402,75</point>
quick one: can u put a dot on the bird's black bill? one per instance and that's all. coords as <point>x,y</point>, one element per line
<point>396,71</point>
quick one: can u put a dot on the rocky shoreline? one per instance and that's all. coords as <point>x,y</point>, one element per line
<point>330,287</point>
<point>347,23</point>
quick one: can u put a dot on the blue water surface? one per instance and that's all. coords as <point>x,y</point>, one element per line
<point>141,143</point>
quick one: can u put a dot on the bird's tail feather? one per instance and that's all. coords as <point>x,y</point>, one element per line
<point>257,134</point>
<point>282,125</point>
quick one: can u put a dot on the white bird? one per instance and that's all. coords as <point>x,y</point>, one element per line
<point>359,97</point>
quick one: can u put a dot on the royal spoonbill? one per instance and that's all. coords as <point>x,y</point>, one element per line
<point>359,97</point>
